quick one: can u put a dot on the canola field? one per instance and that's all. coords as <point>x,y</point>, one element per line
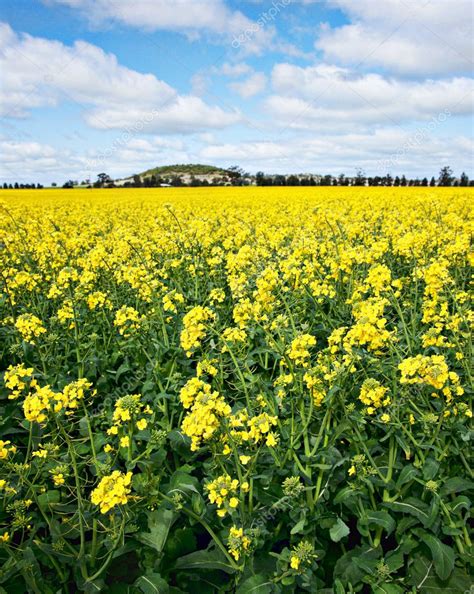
<point>236,390</point>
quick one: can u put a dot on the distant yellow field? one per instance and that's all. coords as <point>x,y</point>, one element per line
<point>223,379</point>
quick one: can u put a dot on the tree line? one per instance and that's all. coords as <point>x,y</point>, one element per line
<point>17,186</point>
<point>235,176</point>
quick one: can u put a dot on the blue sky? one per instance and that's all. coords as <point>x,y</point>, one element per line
<point>280,86</point>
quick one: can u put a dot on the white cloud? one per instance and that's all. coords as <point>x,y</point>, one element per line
<point>26,161</point>
<point>408,37</point>
<point>384,150</point>
<point>251,86</point>
<point>40,72</point>
<point>233,70</point>
<point>329,96</point>
<point>185,16</point>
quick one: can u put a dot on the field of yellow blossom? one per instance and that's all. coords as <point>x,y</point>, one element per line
<point>235,390</point>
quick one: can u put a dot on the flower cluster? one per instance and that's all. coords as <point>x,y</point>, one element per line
<point>6,449</point>
<point>37,404</point>
<point>302,556</point>
<point>30,327</point>
<point>17,378</point>
<point>432,371</point>
<point>207,408</point>
<point>373,395</point>
<point>194,327</point>
<point>112,490</point>
<point>224,492</point>
<point>299,350</point>
<point>238,542</point>
<point>127,320</point>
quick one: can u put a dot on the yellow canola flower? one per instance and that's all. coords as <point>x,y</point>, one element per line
<point>194,327</point>
<point>16,378</point>
<point>299,350</point>
<point>112,490</point>
<point>30,327</point>
<point>238,542</point>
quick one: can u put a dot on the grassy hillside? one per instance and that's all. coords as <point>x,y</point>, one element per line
<point>190,168</point>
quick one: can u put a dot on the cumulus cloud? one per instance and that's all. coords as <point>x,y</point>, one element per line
<point>408,37</point>
<point>190,17</point>
<point>28,161</point>
<point>374,152</point>
<point>251,86</point>
<point>332,96</point>
<point>39,72</point>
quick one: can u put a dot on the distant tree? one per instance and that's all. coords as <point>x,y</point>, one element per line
<point>16,186</point>
<point>396,181</point>
<point>403,181</point>
<point>279,180</point>
<point>5,186</point>
<point>137,181</point>
<point>102,180</point>
<point>195,182</point>
<point>424,181</point>
<point>68,185</point>
<point>235,174</point>
<point>445,177</point>
<point>432,182</point>
<point>326,180</point>
<point>260,178</point>
<point>176,181</point>
<point>292,180</point>
<point>54,184</point>
<point>360,178</point>
<point>464,180</point>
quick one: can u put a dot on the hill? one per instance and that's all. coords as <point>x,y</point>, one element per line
<point>184,169</point>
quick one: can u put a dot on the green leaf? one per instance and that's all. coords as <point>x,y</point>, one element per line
<point>48,498</point>
<point>94,587</point>
<point>461,502</point>
<point>353,565</point>
<point>159,524</point>
<point>152,583</point>
<point>257,584</point>
<point>407,474</point>
<point>455,485</point>
<point>423,577</point>
<point>411,506</point>
<point>344,494</point>
<point>183,482</point>
<point>394,560</point>
<point>442,555</point>
<point>339,530</point>
<point>298,527</point>
<point>388,589</point>
<point>430,469</point>
<point>381,518</point>
<point>204,560</point>
<point>180,542</point>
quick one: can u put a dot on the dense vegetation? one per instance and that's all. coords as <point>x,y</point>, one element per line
<point>207,391</point>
